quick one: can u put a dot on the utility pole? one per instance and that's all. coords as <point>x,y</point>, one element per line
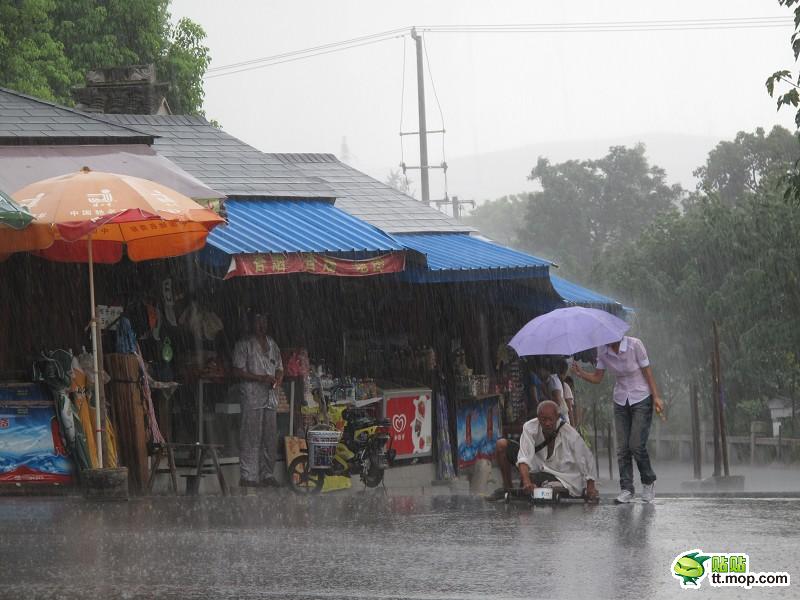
<point>423,128</point>
<point>453,201</point>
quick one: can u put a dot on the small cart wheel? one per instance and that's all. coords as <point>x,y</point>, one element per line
<point>302,480</point>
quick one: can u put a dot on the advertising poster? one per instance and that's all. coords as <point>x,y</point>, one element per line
<point>409,413</point>
<point>31,450</point>
<point>478,426</point>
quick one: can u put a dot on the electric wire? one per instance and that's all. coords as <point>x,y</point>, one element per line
<point>602,26</point>
<point>362,38</point>
<point>297,56</point>
<point>578,27</point>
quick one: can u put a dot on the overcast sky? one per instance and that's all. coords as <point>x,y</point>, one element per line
<point>497,91</point>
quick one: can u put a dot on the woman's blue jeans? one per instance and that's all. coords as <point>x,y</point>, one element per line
<point>632,422</point>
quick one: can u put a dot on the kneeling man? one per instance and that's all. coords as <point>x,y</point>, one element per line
<point>551,450</point>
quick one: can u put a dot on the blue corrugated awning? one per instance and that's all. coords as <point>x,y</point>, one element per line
<point>462,257</point>
<point>286,226</point>
<point>572,293</point>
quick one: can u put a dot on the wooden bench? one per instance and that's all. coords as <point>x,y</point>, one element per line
<point>201,453</point>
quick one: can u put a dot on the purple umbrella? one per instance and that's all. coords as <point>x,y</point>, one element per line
<point>566,331</point>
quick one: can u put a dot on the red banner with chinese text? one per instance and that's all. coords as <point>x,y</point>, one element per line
<point>318,264</point>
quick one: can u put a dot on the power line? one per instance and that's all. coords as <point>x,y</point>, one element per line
<point>296,58</point>
<point>285,57</point>
<point>731,22</point>
<point>619,29</point>
<point>362,38</point>
<point>506,28</point>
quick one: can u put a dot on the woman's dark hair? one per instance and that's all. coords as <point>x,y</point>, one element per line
<point>560,366</point>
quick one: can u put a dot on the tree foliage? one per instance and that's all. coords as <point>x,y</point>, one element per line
<point>32,58</point>
<point>730,256</point>
<point>586,207</point>
<point>785,85</point>
<point>500,219</point>
<point>785,79</point>
<point>46,47</point>
<point>748,165</point>
<point>400,182</point>
<point>728,253</point>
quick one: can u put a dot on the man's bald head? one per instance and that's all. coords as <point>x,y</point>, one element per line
<point>547,408</point>
<point>547,412</point>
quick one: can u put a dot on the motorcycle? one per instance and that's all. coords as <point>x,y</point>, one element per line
<point>363,449</point>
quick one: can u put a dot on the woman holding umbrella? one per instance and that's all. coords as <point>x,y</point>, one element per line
<point>635,398</point>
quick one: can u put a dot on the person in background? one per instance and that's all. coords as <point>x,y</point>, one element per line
<point>562,369</point>
<point>548,371</point>
<point>635,398</point>
<point>535,388</point>
<point>577,414</point>
<point>257,364</point>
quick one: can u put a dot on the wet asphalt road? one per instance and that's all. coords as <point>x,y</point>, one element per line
<point>373,546</point>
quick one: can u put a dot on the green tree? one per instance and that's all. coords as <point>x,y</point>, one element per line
<point>46,47</point>
<point>785,78</point>
<point>785,85</point>
<point>183,64</point>
<point>499,219</point>
<point>587,207</point>
<point>729,260</point>
<point>32,58</point>
<point>738,169</point>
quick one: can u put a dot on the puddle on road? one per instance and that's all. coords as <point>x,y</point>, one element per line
<point>374,546</point>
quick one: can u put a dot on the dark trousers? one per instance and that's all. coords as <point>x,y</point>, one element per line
<point>632,422</point>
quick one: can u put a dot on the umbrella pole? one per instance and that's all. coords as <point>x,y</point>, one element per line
<point>98,431</point>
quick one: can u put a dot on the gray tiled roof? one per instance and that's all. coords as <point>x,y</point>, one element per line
<point>227,164</point>
<point>222,161</point>
<point>371,200</point>
<point>27,120</point>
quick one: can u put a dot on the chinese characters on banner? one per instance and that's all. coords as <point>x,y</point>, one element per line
<point>319,264</point>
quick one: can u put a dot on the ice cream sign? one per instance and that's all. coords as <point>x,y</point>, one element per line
<point>409,412</point>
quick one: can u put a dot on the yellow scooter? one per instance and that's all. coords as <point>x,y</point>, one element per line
<point>363,447</point>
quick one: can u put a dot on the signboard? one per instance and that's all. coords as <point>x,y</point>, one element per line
<point>317,264</point>
<point>478,425</point>
<point>31,450</point>
<point>410,419</point>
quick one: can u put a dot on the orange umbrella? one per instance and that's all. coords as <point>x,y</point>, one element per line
<point>18,232</point>
<point>90,216</point>
<point>113,211</point>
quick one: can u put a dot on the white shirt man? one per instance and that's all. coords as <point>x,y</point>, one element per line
<point>566,457</point>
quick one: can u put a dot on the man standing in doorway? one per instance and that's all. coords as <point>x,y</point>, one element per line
<point>257,363</point>
<point>635,397</point>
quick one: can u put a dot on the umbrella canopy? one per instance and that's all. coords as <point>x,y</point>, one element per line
<point>92,215</point>
<point>113,211</point>
<point>18,231</point>
<point>566,331</point>
<point>12,214</point>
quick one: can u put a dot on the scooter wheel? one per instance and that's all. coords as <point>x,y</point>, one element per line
<point>374,477</point>
<point>302,480</point>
